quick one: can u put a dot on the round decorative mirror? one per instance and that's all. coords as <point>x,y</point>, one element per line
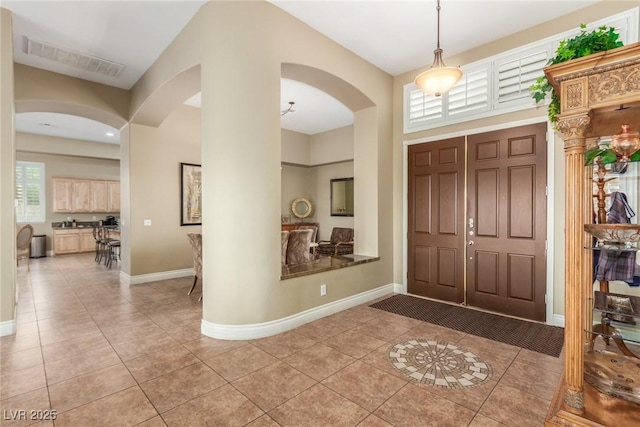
<point>301,207</point>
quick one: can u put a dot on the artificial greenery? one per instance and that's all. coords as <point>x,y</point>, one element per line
<point>607,155</point>
<point>585,43</point>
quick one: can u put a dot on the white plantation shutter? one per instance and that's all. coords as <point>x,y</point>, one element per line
<point>514,75</point>
<point>29,192</point>
<point>422,108</point>
<point>499,84</point>
<point>471,94</point>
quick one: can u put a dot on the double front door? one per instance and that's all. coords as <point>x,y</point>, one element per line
<point>477,220</point>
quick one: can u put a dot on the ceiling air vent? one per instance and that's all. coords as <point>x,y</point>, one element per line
<point>73,58</point>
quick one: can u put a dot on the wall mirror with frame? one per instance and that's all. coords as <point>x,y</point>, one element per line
<point>342,197</point>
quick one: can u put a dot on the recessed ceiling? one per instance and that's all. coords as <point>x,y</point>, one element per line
<point>66,126</point>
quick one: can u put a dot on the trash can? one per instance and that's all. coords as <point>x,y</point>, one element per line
<point>38,247</point>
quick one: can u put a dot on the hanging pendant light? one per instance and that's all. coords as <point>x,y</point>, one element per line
<point>439,78</point>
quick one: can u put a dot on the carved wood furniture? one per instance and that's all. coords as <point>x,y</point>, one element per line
<point>597,94</point>
<point>297,226</point>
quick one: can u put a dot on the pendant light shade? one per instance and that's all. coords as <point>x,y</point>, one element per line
<point>439,78</point>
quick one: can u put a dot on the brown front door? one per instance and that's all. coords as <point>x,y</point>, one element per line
<point>505,230</point>
<point>436,220</point>
<point>506,220</point>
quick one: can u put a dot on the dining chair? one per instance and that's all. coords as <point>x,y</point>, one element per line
<point>298,247</point>
<point>23,243</point>
<point>196,246</point>
<point>340,243</point>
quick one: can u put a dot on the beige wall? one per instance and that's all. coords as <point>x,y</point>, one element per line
<point>7,183</point>
<point>322,176</point>
<point>45,91</point>
<point>313,183</point>
<point>66,166</point>
<point>297,181</point>
<point>241,160</point>
<point>153,162</point>
<point>332,146</point>
<point>558,25</point>
<point>32,143</point>
<point>296,147</point>
<point>330,155</point>
<point>232,146</point>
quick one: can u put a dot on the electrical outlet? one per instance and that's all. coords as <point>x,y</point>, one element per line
<point>323,290</point>
<point>147,223</point>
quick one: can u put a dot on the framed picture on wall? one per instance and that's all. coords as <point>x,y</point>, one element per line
<point>190,194</point>
<point>285,219</point>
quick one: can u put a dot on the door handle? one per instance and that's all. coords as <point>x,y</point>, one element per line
<point>470,222</point>
<point>471,243</point>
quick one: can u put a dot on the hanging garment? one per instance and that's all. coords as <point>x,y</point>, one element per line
<point>614,264</point>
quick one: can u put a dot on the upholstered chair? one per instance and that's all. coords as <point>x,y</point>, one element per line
<point>314,237</point>
<point>298,248</point>
<point>196,245</point>
<point>341,242</point>
<point>23,243</point>
<point>284,243</point>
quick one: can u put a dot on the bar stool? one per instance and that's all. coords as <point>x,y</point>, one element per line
<point>101,243</point>
<point>113,250</point>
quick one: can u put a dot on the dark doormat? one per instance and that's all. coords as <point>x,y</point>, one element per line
<point>521,333</point>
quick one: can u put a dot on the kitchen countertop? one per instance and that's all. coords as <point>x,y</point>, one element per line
<point>80,225</point>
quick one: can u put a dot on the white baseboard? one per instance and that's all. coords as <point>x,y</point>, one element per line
<point>7,327</point>
<point>126,279</point>
<point>261,330</point>
<point>399,288</point>
<point>557,320</point>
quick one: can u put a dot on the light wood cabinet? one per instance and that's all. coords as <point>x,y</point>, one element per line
<point>76,195</point>
<point>99,196</point>
<point>62,194</point>
<point>73,240</point>
<point>87,242</point>
<point>598,93</point>
<point>113,196</point>
<point>81,196</point>
<point>66,242</point>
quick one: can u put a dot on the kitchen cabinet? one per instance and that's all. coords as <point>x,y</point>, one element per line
<point>99,196</point>
<point>66,242</point>
<point>73,240</point>
<point>87,241</point>
<point>113,196</point>
<point>598,93</point>
<point>81,195</point>
<point>62,194</point>
<point>81,200</point>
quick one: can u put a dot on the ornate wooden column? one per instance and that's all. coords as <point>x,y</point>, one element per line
<point>577,202</point>
<point>597,94</point>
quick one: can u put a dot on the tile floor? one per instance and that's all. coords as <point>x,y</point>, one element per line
<point>101,354</point>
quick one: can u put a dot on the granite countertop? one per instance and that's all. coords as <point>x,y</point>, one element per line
<point>324,263</point>
<point>63,225</point>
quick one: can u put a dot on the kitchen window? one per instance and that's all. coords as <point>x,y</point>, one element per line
<point>29,192</point>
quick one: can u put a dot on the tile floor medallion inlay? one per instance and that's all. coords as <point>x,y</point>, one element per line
<point>439,363</point>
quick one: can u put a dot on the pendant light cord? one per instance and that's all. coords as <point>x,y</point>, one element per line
<point>438,9</point>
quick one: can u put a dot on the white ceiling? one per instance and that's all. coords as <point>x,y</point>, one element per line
<point>397,36</point>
